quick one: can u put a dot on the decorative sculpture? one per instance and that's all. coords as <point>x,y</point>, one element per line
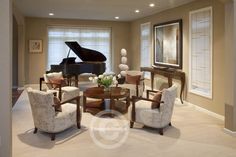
<point>123,66</point>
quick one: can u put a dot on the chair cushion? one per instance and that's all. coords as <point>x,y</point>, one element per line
<point>69,92</point>
<point>144,114</point>
<point>157,98</point>
<point>65,119</point>
<point>132,79</point>
<point>57,78</point>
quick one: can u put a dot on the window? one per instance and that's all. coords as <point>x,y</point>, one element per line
<point>93,38</point>
<point>201,52</point>
<point>145,49</point>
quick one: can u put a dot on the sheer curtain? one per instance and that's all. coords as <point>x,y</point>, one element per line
<point>92,38</point>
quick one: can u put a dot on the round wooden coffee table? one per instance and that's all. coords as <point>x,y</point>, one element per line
<point>115,93</point>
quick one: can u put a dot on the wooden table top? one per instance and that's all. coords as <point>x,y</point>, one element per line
<point>113,93</point>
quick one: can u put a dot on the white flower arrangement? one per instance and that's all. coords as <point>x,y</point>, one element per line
<point>105,80</point>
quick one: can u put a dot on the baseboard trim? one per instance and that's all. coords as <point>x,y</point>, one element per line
<point>232,133</point>
<point>201,109</point>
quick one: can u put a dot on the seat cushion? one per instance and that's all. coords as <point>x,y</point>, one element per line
<point>69,92</point>
<point>66,118</point>
<point>144,114</point>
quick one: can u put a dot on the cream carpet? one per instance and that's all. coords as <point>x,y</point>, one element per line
<point>193,134</point>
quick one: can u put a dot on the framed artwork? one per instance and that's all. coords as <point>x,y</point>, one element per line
<point>168,44</point>
<point>35,46</point>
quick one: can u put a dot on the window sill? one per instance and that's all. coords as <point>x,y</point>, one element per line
<point>201,93</point>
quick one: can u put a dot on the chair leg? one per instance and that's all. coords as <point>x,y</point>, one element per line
<point>131,124</point>
<point>170,124</point>
<point>161,131</point>
<point>35,130</point>
<point>78,125</point>
<point>53,135</point>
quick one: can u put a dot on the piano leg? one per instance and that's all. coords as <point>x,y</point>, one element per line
<point>76,81</point>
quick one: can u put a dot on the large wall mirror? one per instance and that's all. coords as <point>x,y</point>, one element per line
<point>168,44</point>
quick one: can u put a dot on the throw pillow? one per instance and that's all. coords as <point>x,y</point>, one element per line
<point>132,79</point>
<point>56,78</point>
<point>157,98</point>
<point>57,104</point>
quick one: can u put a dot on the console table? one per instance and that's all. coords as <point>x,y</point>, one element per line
<point>170,74</point>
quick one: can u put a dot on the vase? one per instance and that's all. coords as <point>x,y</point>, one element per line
<point>106,89</point>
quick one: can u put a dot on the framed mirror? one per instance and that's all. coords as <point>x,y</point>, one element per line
<point>168,44</point>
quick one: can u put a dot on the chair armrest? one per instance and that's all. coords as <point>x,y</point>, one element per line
<point>49,83</point>
<point>151,91</point>
<point>135,98</point>
<point>67,101</point>
<point>58,84</point>
<point>138,82</point>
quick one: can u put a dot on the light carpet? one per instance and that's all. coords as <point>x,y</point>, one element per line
<point>193,134</point>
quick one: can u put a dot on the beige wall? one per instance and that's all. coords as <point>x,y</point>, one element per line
<point>6,79</point>
<point>234,69</point>
<point>126,35</point>
<point>15,53</point>
<point>229,52</point>
<point>217,103</point>
<point>230,73</point>
<point>21,45</point>
<point>36,28</point>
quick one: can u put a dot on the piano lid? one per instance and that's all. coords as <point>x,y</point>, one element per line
<point>86,54</point>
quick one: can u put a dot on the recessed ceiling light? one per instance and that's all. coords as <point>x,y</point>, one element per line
<point>137,11</point>
<point>151,5</point>
<point>117,17</point>
<point>51,14</point>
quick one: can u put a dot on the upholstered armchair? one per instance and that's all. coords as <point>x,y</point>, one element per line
<point>47,119</point>
<point>134,81</point>
<point>141,110</point>
<point>57,84</point>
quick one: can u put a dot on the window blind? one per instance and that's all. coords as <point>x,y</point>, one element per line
<point>201,52</point>
<point>145,49</point>
<point>92,38</point>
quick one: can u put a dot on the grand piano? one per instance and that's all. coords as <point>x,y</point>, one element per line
<point>92,62</point>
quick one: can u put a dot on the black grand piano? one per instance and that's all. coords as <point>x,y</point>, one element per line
<point>92,62</point>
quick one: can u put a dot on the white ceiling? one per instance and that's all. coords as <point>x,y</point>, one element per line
<point>95,9</point>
